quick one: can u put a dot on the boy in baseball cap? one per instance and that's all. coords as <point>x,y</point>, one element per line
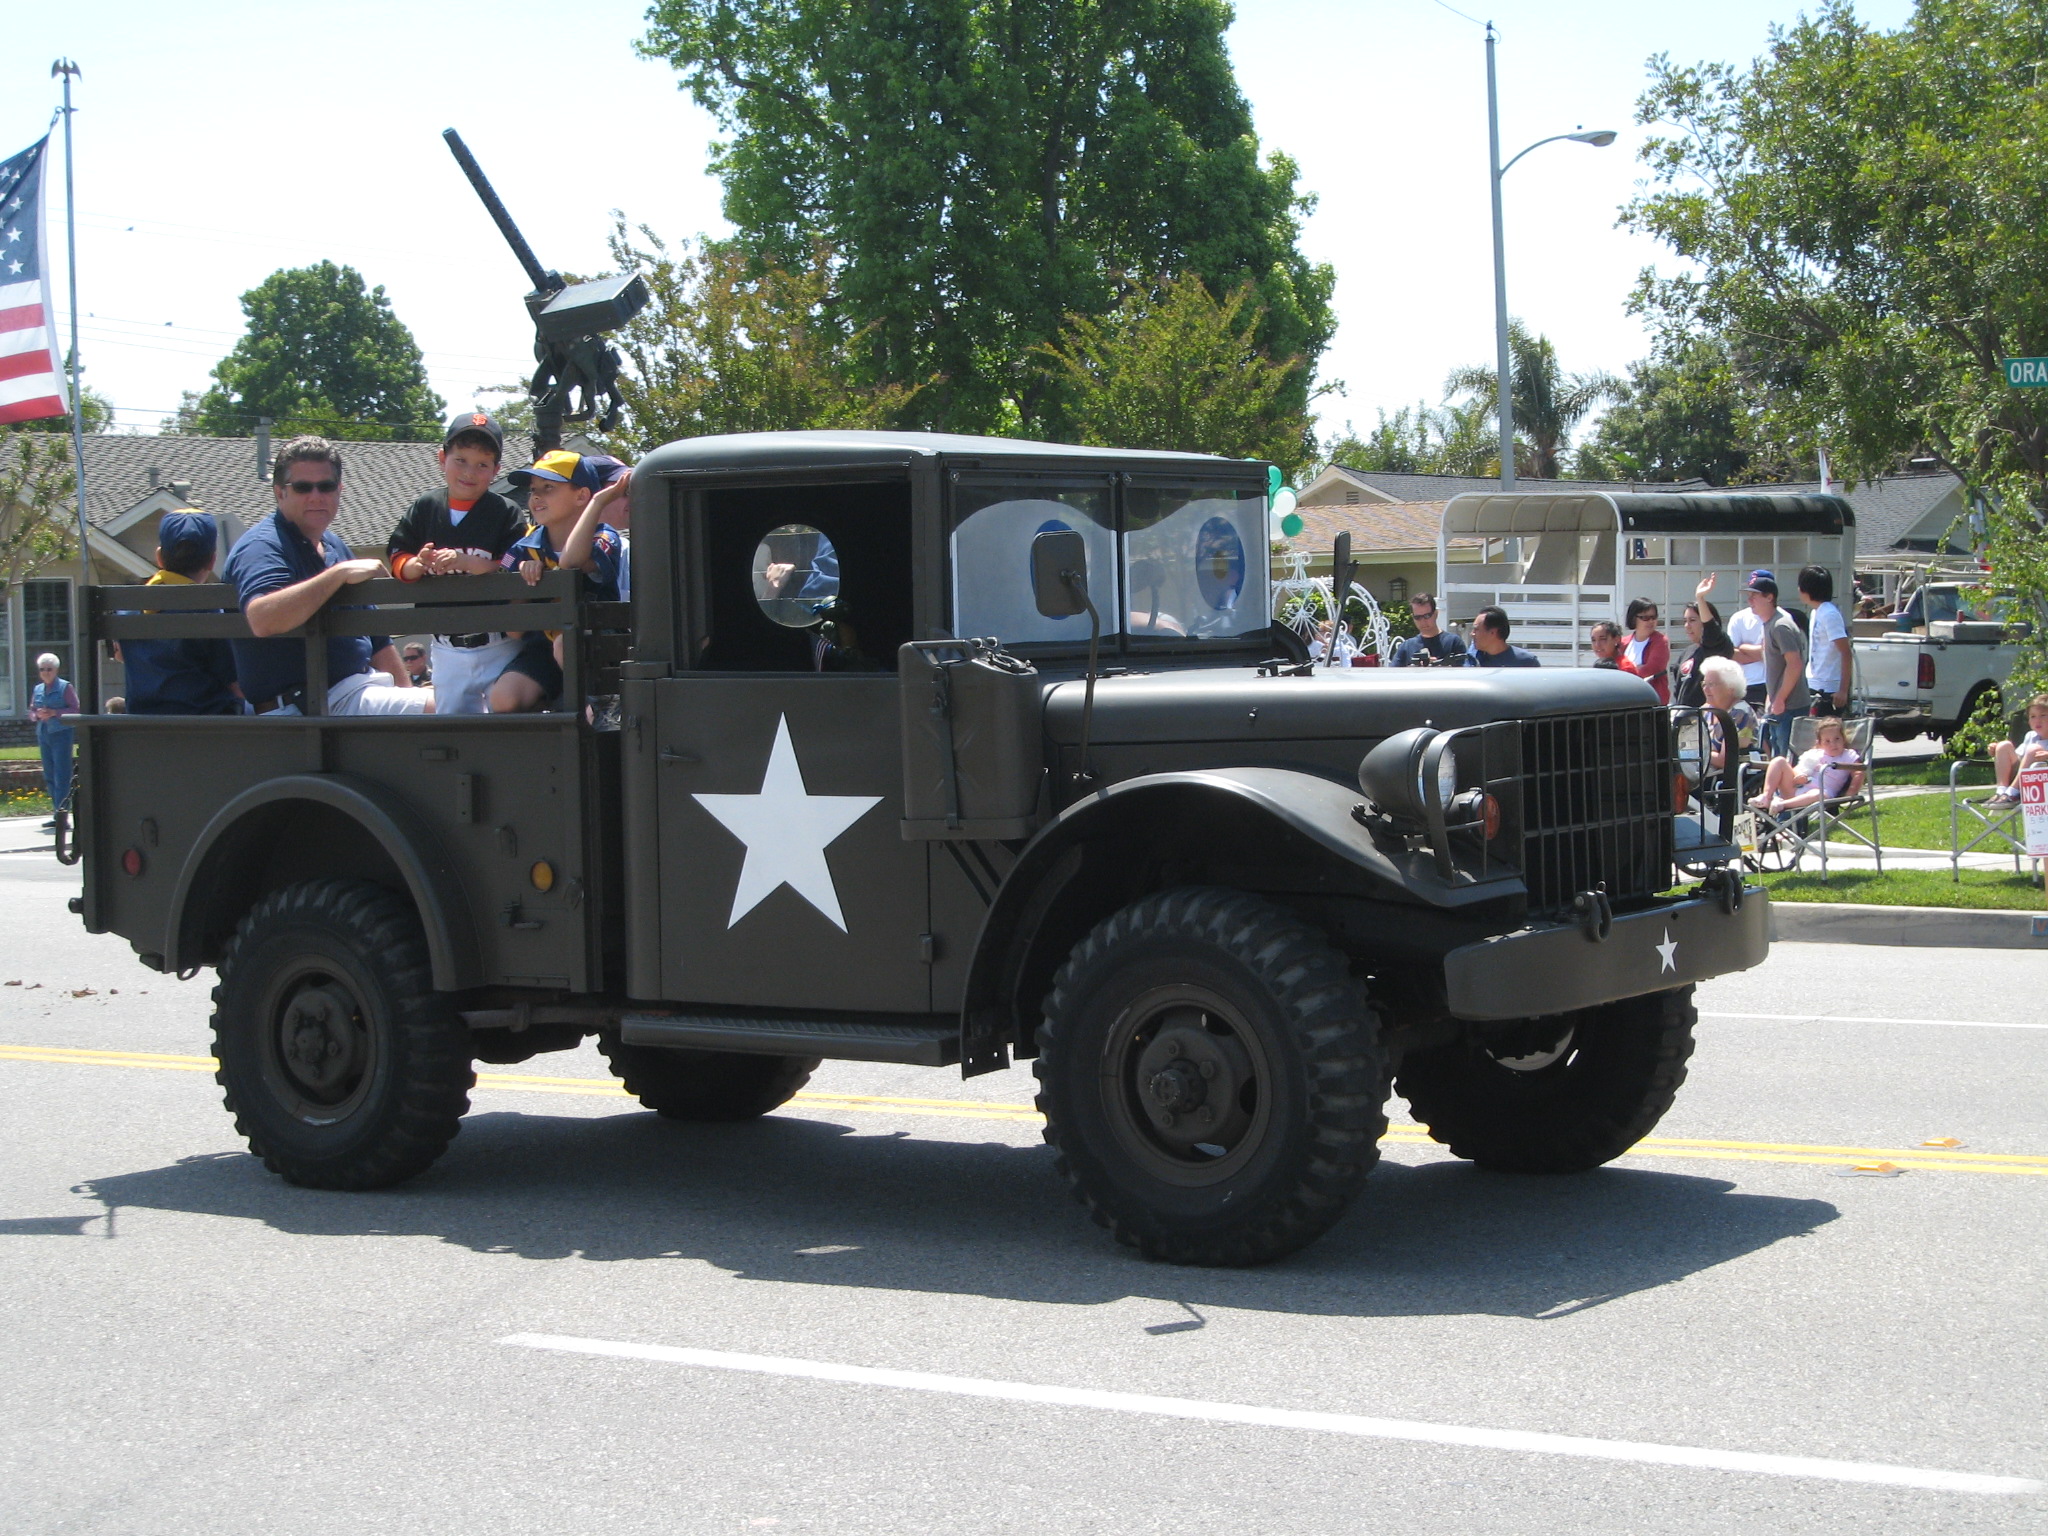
<point>568,494</point>
<point>462,529</point>
<point>182,677</point>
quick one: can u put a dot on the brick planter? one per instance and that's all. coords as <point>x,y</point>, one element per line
<point>19,776</point>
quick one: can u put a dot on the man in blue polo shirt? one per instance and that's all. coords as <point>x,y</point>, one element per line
<point>284,570</point>
<point>1490,646</point>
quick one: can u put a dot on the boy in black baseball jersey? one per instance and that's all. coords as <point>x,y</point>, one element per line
<point>462,529</point>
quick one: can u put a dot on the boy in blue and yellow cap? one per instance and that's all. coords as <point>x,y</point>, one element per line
<point>182,677</point>
<point>567,495</point>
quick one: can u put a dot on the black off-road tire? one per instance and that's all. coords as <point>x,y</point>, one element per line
<point>705,1085</point>
<point>1201,1001</point>
<point>1569,1103</point>
<point>342,1066</point>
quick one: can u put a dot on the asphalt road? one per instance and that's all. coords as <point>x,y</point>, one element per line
<point>189,1345</point>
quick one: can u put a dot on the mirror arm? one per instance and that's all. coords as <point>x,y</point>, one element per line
<point>1079,584</point>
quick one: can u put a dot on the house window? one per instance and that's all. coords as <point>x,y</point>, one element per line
<point>46,621</point>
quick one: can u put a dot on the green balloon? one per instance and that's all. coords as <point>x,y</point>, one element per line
<point>1274,479</point>
<point>1292,524</point>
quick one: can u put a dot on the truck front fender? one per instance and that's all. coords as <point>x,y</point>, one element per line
<point>1265,829</point>
<point>232,856</point>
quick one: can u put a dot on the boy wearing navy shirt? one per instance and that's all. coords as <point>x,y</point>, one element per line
<point>182,677</point>
<point>568,495</point>
<point>463,529</point>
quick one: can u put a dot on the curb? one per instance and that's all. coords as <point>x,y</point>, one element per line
<point>1847,922</point>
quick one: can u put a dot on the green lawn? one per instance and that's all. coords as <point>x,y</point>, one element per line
<point>1918,821</point>
<point>19,754</point>
<point>1979,888</point>
<point>24,802</point>
<point>1933,772</point>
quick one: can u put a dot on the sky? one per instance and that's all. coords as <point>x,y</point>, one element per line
<point>218,141</point>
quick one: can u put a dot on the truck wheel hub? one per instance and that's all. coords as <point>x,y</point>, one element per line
<point>320,1039</point>
<point>1190,1086</point>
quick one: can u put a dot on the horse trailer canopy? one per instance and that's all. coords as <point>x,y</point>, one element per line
<point>1558,561</point>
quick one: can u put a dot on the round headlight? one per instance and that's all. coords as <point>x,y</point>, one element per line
<point>1447,776</point>
<point>1391,774</point>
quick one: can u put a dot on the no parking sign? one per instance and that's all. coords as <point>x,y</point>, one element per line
<point>2034,810</point>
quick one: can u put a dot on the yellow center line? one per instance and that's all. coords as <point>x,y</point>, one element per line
<point>1947,1161</point>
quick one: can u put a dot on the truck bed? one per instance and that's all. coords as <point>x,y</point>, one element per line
<point>177,812</point>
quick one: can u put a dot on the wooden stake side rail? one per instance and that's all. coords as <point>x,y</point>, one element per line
<point>382,606</point>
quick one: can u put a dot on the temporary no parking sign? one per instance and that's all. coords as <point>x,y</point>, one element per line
<point>2034,810</point>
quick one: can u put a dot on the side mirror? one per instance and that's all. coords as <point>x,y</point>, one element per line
<point>1059,573</point>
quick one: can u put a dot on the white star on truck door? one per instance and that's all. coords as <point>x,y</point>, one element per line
<point>786,830</point>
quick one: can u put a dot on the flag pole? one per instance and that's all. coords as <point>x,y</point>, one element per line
<point>65,70</point>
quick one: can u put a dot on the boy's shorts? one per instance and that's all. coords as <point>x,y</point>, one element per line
<point>536,659</point>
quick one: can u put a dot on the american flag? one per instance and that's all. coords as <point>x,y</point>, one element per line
<point>31,369</point>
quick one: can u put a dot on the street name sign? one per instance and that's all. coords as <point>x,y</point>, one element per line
<point>2026,372</point>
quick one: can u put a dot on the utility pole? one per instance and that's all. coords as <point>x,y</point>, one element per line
<point>1503,371</point>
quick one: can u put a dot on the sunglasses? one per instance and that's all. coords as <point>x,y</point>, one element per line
<point>309,487</point>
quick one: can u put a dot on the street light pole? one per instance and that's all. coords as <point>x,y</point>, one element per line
<point>1503,377</point>
<point>1503,365</point>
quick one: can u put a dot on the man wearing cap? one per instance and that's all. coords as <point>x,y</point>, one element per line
<point>284,570</point>
<point>464,528</point>
<point>1746,634</point>
<point>1783,653</point>
<point>182,677</point>
<point>568,494</point>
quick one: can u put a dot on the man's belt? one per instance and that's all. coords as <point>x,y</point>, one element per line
<point>469,642</point>
<point>295,699</point>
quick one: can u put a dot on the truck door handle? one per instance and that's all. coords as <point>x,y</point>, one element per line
<point>671,757</point>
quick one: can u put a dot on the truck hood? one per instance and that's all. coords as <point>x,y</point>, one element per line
<point>1237,704</point>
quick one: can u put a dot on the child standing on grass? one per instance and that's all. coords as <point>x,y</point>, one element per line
<point>1828,771</point>
<point>2007,760</point>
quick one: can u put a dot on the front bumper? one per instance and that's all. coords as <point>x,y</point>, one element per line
<point>1557,967</point>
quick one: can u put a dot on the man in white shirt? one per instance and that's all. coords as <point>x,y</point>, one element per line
<point>1831,659</point>
<point>1746,634</point>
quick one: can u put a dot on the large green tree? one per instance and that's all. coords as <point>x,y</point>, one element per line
<point>730,345</point>
<point>1678,416</point>
<point>323,353</point>
<point>985,168</point>
<point>1547,402</point>
<point>36,505</point>
<point>1174,367</point>
<point>1864,214</point>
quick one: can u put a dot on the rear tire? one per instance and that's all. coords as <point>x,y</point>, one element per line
<point>342,1066</point>
<point>1211,1078</point>
<point>705,1085</point>
<point>1580,1091</point>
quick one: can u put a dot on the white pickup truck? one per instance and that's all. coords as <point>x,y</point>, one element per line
<point>1945,653</point>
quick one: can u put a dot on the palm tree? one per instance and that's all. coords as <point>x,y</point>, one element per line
<point>1548,403</point>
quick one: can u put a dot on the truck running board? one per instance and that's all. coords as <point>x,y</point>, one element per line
<point>912,1044</point>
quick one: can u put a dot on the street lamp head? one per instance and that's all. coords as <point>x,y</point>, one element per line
<point>1599,138</point>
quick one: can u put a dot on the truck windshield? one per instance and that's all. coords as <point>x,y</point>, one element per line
<point>1195,558</point>
<point>1194,563</point>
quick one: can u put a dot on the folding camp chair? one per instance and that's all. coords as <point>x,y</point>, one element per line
<point>1995,823</point>
<point>1783,838</point>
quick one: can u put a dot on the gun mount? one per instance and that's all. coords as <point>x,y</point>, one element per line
<point>577,373</point>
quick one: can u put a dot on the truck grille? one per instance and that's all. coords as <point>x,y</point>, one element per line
<point>1596,805</point>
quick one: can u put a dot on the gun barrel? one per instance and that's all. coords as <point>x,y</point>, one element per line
<point>535,272</point>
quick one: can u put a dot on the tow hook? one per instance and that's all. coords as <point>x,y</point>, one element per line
<point>1595,913</point>
<point>1725,884</point>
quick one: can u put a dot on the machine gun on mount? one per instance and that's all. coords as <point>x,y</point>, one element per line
<point>577,375</point>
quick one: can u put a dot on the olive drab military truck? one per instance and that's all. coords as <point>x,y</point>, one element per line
<point>944,751</point>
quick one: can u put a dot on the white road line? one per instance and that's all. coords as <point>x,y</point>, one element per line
<point>1847,1018</point>
<point>1291,1418</point>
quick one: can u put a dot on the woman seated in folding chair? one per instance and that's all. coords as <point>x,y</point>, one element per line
<point>1831,770</point>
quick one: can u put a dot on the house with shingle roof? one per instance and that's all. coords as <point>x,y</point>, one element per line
<point>131,480</point>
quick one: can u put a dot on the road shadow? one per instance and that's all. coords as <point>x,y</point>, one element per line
<point>806,1201</point>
